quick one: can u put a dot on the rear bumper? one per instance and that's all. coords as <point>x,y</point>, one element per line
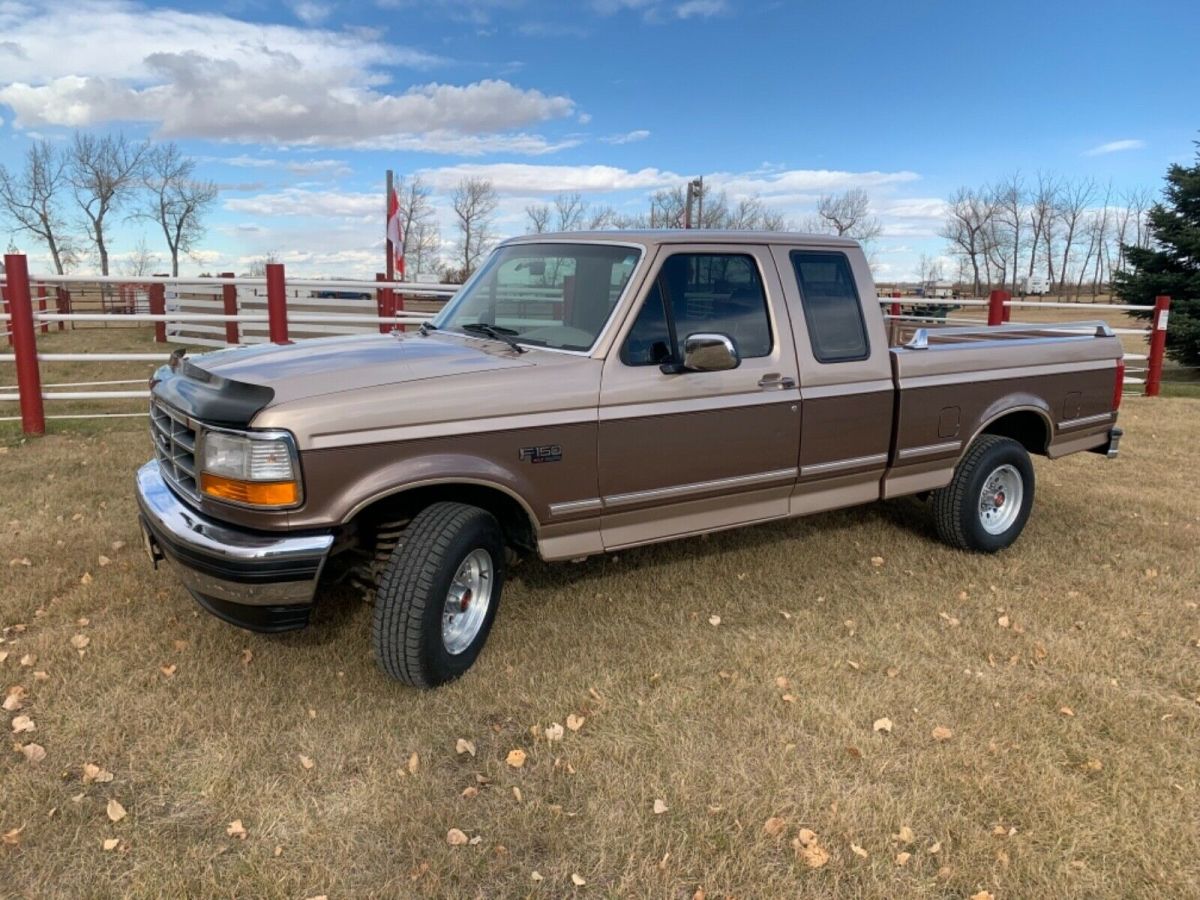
<point>260,581</point>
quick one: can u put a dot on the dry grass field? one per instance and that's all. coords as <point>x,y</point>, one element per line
<point>1061,679</point>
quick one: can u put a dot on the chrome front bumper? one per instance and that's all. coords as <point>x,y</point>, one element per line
<point>257,580</point>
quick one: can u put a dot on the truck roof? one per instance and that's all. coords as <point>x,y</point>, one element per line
<point>655,237</point>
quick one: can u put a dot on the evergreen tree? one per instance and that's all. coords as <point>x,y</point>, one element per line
<point>1171,264</point>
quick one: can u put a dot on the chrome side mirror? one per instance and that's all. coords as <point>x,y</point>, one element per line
<point>709,352</point>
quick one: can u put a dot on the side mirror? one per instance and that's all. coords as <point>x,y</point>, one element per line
<point>709,352</point>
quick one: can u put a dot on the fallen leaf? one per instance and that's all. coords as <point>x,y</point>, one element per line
<point>814,855</point>
<point>470,791</point>
<point>983,895</point>
<point>782,683</point>
<point>515,758</point>
<point>775,826</point>
<point>80,641</point>
<point>577,879</point>
<point>22,724</point>
<point>1067,711</point>
<point>14,700</point>
<point>1003,621</point>
<point>12,837</point>
<point>714,620</point>
<point>859,851</point>
<point>877,561</point>
<point>902,858</point>
<point>86,578</point>
<point>179,645</point>
<point>905,835</point>
<point>116,812</point>
<point>247,656</point>
<point>237,830</point>
<point>111,843</point>
<point>516,792</point>
<point>535,875</point>
<point>93,773</point>
<point>41,676</point>
<point>306,761</point>
<point>574,722</point>
<point>462,745</point>
<point>660,807</point>
<point>788,698</point>
<point>168,670</point>
<point>414,763</point>
<point>456,838</point>
<point>883,725</point>
<point>103,560</point>
<point>1092,765</point>
<point>942,733</point>
<point>29,659</point>
<point>806,837</point>
<point>554,732</point>
<point>117,546</point>
<point>935,847</point>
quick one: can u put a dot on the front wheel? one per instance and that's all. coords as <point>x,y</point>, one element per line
<point>438,595</point>
<point>986,505</point>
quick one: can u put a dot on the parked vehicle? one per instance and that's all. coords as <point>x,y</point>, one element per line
<point>1036,285</point>
<point>585,393</point>
<point>939,290</point>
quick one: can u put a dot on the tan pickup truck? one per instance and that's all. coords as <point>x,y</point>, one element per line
<point>585,393</point>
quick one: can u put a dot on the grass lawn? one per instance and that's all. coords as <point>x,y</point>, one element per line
<point>1061,678</point>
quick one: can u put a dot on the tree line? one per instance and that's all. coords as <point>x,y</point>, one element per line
<point>1073,231</point>
<point>66,197</point>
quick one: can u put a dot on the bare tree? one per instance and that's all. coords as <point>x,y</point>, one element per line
<point>474,201</point>
<point>569,212</point>
<point>417,218</point>
<point>1041,215</point>
<point>258,268</point>
<point>423,242</point>
<point>175,200</point>
<point>1072,201</point>
<point>104,174</point>
<point>1010,202</point>
<point>848,214</point>
<point>32,200</point>
<point>539,217</point>
<point>967,228</point>
<point>142,261</point>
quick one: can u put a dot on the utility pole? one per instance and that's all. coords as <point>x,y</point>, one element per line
<point>695,194</point>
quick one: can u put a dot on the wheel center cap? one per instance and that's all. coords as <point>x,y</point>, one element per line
<point>998,500</point>
<point>465,601</point>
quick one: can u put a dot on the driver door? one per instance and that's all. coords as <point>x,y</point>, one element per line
<point>696,451</point>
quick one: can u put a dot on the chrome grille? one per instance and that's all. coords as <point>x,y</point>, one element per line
<point>174,446</point>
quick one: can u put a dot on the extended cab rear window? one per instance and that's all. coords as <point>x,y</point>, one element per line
<point>832,308</point>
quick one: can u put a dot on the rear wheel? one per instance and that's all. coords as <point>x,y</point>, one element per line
<point>438,595</point>
<point>986,505</point>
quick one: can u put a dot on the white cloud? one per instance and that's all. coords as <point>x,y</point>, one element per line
<point>537,179</point>
<point>628,137</point>
<point>1116,147</point>
<point>701,9</point>
<point>311,13</point>
<point>802,186</point>
<point>211,76</point>
<point>299,202</point>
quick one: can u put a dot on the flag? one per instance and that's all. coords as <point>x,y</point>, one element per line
<point>395,233</point>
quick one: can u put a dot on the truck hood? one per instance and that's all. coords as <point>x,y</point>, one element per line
<point>331,365</point>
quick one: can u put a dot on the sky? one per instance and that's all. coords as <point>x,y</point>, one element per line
<point>297,109</point>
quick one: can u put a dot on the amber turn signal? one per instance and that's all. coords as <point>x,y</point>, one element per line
<point>256,493</point>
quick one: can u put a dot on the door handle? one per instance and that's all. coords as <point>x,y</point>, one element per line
<point>780,382</point>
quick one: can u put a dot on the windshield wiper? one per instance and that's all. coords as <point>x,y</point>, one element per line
<point>495,332</point>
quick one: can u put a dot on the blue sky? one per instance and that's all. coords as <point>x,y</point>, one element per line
<point>296,109</point>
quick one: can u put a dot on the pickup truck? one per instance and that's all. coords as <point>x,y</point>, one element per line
<point>584,393</point>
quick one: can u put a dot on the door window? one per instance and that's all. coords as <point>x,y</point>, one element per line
<point>701,292</point>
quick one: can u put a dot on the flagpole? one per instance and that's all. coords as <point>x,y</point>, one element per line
<point>391,252</point>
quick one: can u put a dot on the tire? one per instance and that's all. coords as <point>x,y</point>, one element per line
<point>963,518</point>
<point>410,640</point>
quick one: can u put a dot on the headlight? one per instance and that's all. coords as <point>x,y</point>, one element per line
<point>249,469</point>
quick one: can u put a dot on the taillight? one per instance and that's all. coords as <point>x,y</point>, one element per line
<point>1119,386</point>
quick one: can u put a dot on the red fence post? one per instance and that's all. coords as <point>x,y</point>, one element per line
<point>277,324</point>
<point>995,307</point>
<point>381,303</point>
<point>1158,345</point>
<point>60,305</point>
<point>42,305</point>
<point>229,298</point>
<point>158,307</point>
<point>1005,309</point>
<point>29,378</point>
<point>895,303</point>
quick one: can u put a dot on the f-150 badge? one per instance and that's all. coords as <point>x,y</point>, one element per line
<point>546,453</point>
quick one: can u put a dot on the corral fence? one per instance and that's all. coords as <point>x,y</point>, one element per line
<point>227,310</point>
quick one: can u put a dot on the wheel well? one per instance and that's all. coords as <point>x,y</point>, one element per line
<point>515,522</point>
<point>1024,426</point>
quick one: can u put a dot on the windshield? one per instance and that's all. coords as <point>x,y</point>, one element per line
<point>545,295</point>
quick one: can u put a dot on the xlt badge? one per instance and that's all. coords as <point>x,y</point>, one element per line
<point>546,453</point>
